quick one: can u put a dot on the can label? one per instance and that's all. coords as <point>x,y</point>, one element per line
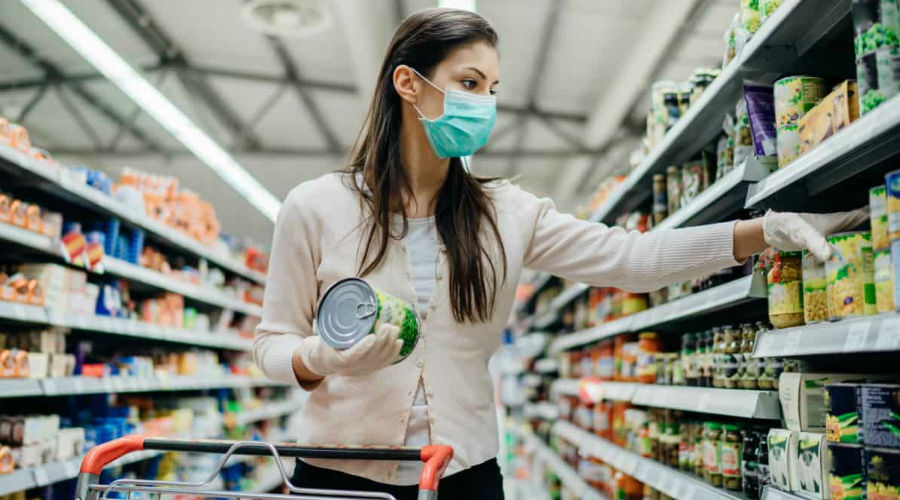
<point>731,459</point>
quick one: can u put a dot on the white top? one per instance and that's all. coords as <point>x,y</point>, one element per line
<point>422,246</point>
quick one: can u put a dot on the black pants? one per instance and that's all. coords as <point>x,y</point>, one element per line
<point>481,482</point>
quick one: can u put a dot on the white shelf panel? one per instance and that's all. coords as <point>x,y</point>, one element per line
<point>566,474</point>
<point>17,388</point>
<point>17,480</point>
<point>770,493</point>
<point>204,294</point>
<point>672,482</point>
<point>705,302</point>
<point>866,334</point>
<point>730,402</point>
<point>26,238</point>
<point>543,410</point>
<point>70,386</point>
<point>742,403</point>
<point>546,365</point>
<point>61,185</point>
<point>865,143</point>
<point>117,326</point>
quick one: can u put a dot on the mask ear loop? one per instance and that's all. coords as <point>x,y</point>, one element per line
<point>419,111</point>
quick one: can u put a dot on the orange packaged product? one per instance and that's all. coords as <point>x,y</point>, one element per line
<point>619,430</point>
<point>5,208</point>
<point>603,416</point>
<point>17,211</point>
<point>35,294</point>
<point>33,220</point>
<point>647,348</point>
<point>14,136</point>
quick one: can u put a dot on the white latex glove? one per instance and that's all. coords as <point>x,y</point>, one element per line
<point>369,354</point>
<point>796,231</point>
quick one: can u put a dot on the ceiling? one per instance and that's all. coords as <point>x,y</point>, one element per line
<point>288,109</point>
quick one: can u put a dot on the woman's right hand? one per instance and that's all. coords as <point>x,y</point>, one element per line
<point>372,353</point>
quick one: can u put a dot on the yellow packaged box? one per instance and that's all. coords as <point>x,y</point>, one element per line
<point>837,110</point>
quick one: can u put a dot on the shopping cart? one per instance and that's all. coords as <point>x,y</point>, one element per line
<point>436,458</point>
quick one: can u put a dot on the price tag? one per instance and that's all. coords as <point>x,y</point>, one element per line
<point>856,336</point>
<point>50,387</point>
<point>71,469</point>
<point>40,476</point>
<point>791,343</point>
<point>888,335</point>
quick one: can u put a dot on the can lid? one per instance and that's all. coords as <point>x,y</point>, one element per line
<point>347,313</point>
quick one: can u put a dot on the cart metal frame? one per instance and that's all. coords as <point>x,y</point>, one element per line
<point>435,457</point>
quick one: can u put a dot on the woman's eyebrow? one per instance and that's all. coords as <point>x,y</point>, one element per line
<point>481,74</point>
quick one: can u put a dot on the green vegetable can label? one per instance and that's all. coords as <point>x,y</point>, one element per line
<point>351,309</point>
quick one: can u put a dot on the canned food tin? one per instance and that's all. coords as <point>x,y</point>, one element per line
<point>851,275</point>
<point>794,96</point>
<point>351,309</point>
<point>892,203</point>
<point>884,281</point>
<point>785,290</point>
<point>787,144</point>
<point>878,218</point>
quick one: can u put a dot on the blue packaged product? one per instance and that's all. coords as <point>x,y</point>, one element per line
<point>880,408</point>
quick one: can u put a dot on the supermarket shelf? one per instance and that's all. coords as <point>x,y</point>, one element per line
<point>59,183</point>
<point>867,334</point>
<point>565,298</point>
<point>672,482</point>
<point>269,411</point>
<point>566,474</point>
<point>770,493</point>
<point>157,279</point>
<point>864,144</point>
<point>17,480</point>
<point>725,196</point>
<point>27,238</point>
<point>71,386</point>
<point>779,43</point>
<point>543,410</point>
<point>546,365</point>
<point>741,403</point>
<point>117,326</point>
<point>705,302</point>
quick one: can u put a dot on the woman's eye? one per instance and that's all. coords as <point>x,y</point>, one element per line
<point>469,84</point>
<point>493,91</point>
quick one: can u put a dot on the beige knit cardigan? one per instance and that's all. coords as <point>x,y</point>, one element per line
<point>316,242</point>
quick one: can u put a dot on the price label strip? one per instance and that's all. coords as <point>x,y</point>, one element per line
<point>856,336</point>
<point>888,334</point>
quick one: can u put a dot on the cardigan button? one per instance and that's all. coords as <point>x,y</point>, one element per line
<point>420,363</point>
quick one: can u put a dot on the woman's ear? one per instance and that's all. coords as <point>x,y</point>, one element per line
<point>406,83</point>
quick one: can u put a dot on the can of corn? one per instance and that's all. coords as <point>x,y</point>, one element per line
<point>884,281</point>
<point>351,309</point>
<point>851,275</point>
<point>878,218</point>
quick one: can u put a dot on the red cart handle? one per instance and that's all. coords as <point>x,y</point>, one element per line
<point>437,458</point>
<point>101,455</point>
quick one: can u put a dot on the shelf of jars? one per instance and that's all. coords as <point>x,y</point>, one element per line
<point>730,294</point>
<point>567,475</point>
<point>676,484</point>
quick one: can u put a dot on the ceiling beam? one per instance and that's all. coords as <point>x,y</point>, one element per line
<point>292,73</point>
<point>167,51</point>
<point>30,105</point>
<point>54,74</point>
<point>368,26</point>
<point>660,29</point>
<point>547,34</point>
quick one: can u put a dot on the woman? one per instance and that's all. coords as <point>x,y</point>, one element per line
<point>410,219</point>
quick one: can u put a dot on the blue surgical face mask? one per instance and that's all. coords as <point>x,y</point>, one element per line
<point>465,125</point>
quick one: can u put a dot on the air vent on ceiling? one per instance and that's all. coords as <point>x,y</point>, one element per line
<point>287,18</point>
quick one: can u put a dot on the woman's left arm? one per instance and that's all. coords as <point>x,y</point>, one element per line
<point>640,262</point>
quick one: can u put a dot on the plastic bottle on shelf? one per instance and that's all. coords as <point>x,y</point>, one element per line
<point>688,359</point>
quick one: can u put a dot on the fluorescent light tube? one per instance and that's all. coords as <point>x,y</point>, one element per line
<point>153,102</point>
<point>458,4</point>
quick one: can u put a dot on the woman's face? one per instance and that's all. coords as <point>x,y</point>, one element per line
<point>473,68</point>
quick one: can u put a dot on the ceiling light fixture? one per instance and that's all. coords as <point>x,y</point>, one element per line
<point>287,18</point>
<point>87,43</point>
<point>458,4</point>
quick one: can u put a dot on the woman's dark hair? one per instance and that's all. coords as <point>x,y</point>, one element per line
<point>463,206</point>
